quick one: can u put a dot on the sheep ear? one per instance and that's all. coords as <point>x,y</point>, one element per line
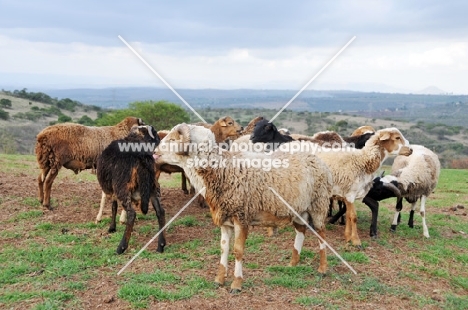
<point>385,136</point>
<point>223,122</point>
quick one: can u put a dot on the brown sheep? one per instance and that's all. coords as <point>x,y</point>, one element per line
<point>75,147</point>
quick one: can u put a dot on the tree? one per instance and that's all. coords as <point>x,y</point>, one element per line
<point>160,114</point>
<point>5,103</point>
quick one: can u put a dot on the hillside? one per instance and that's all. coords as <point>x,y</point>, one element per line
<point>17,135</point>
<point>27,118</point>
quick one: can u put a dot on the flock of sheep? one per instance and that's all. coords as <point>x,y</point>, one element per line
<point>301,193</point>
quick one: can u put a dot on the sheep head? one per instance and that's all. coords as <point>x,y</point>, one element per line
<point>264,131</point>
<point>363,130</point>
<point>182,142</point>
<point>131,121</point>
<point>251,125</point>
<point>391,141</point>
<point>383,188</point>
<point>226,128</point>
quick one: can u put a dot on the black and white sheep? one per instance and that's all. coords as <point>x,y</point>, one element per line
<point>129,177</point>
<point>414,178</point>
<point>239,196</point>
<point>74,147</point>
<point>353,169</point>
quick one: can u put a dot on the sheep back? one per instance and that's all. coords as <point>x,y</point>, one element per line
<point>243,192</point>
<point>76,146</point>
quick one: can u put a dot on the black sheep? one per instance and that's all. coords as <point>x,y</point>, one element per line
<point>126,173</point>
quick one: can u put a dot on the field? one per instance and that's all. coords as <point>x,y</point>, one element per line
<point>61,259</point>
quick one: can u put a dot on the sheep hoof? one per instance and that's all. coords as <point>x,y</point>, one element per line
<point>185,192</point>
<point>234,291</point>
<point>359,247</point>
<point>374,237</point>
<point>393,228</point>
<point>111,230</point>
<point>120,249</point>
<point>160,248</point>
<point>218,285</point>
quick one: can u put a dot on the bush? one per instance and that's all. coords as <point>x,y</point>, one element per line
<point>4,115</point>
<point>5,103</point>
<point>86,120</point>
<point>64,119</point>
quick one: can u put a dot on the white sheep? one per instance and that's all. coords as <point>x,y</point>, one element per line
<point>352,168</point>
<point>413,177</point>
<point>239,196</point>
<point>74,147</point>
<point>353,171</point>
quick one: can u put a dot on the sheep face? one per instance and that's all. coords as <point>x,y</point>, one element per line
<point>392,141</point>
<point>230,128</point>
<point>182,142</point>
<point>263,131</point>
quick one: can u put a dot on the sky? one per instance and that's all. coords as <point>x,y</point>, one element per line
<point>400,46</point>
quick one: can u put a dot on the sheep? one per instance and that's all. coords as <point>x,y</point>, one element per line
<point>353,169</point>
<point>74,147</point>
<point>413,177</point>
<point>239,197</point>
<point>267,132</point>
<point>129,177</point>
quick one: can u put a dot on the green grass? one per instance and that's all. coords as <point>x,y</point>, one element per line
<point>47,264</point>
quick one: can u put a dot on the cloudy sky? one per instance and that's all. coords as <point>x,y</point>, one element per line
<point>400,46</point>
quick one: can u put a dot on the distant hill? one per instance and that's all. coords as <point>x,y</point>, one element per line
<point>431,90</point>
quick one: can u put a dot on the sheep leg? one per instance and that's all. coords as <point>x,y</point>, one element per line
<point>396,217</point>
<point>161,214</point>
<point>49,179</point>
<point>123,217</point>
<point>101,208</point>
<point>184,183</point>
<point>395,221</point>
<point>240,235</point>
<point>322,252</point>
<point>374,207</point>
<point>112,227</point>
<point>351,224</point>
<point>40,180</point>
<point>423,215</point>
<point>341,210</point>
<point>298,242</point>
<point>226,234</point>
<point>131,215</point>
<point>339,214</point>
<point>411,215</point>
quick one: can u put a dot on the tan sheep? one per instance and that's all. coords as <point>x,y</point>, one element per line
<point>74,147</point>
<point>239,196</point>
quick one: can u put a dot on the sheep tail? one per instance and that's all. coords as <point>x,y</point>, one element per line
<point>146,184</point>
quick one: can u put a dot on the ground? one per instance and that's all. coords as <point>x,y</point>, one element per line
<point>393,272</point>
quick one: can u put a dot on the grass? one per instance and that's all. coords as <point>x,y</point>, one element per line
<point>48,263</point>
